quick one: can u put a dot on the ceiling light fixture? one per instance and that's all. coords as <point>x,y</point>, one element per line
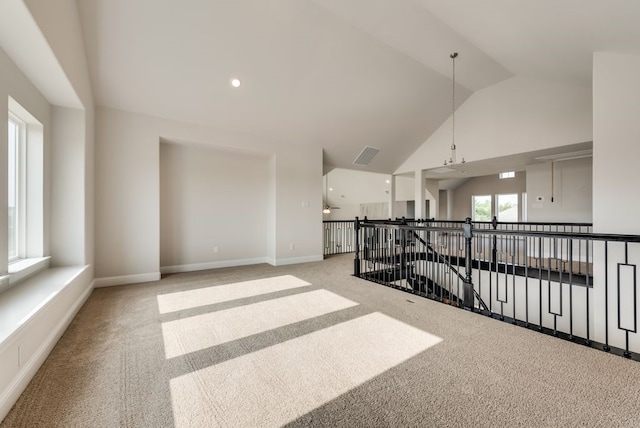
<point>326,208</point>
<point>236,83</point>
<point>452,159</point>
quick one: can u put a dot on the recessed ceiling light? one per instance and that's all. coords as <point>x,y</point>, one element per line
<point>236,83</point>
<point>388,182</point>
<point>331,189</point>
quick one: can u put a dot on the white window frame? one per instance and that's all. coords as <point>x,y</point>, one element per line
<point>507,174</point>
<point>21,185</point>
<point>473,206</point>
<point>497,205</point>
<point>30,183</point>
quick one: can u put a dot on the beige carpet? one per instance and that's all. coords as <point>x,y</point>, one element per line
<point>309,345</point>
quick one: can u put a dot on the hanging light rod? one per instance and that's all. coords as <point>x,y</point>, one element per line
<point>452,158</point>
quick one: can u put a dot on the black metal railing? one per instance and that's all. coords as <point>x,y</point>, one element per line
<point>522,226</point>
<point>338,236</point>
<point>512,248</point>
<point>540,279</point>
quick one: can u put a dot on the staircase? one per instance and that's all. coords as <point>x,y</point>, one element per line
<point>535,275</point>
<point>398,260</point>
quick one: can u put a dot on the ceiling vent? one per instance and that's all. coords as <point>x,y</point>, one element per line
<point>366,155</point>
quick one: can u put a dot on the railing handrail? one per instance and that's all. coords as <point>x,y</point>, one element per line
<point>524,223</point>
<point>510,223</point>
<point>533,233</point>
<point>379,220</point>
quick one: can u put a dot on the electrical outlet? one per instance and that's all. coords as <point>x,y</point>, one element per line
<point>292,246</point>
<point>215,250</point>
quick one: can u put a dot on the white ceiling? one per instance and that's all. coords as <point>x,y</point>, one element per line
<point>339,74</point>
<point>22,41</point>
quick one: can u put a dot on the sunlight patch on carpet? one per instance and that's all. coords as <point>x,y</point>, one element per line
<point>203,331</point>
<point>188,299</point>
<point>278,384</point>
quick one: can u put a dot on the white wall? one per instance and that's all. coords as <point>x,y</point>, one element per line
<point>59,24</point>
<point>616,177</point>
<point>68,211</point>
<point>128,193</point>
<point>355,191</point>
<point>432,194</point>
<point>47,70</point>
<point>211,200</point>
<point>39,333</point>
<point>517,115</point>
<point>271,210</point>
<point>443,209</point>
<point>127,197</point>
<point>572,192</point>
<point>405,189</point>
<point>298,203</point>
<point>14,84</point>
<point>616,132</point>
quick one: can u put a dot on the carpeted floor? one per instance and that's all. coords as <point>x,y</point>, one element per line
<point>309,345</point>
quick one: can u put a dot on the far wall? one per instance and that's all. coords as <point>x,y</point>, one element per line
<point>572,192</point>
<point>213,206</point>
<point>128,189</point>
<point>487,185</point>
<point>360,193</point>
<point>443,205</point>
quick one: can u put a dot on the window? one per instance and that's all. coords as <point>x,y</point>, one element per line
<point>507,207</point>
<point>482,208</point>
<point>25,192</point>
<point>16,134</point>
<point>509,174</point>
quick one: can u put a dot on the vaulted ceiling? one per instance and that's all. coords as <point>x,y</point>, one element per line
<point>338,74</point>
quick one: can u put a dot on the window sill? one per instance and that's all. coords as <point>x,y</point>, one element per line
<point>23,269</point>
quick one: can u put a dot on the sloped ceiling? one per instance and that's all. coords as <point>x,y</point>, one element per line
<point>338,74</point>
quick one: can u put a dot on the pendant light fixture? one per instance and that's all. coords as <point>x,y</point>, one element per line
<point>452,159</point>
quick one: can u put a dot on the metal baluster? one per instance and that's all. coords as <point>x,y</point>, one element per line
<point>587,244</point>
<point>513,277</point>
<point>606,297</point>
<point>356,261</point>
<point>570,242</point>
<point>540,276</point>
<point>526,281</point>
<point>468,283</point>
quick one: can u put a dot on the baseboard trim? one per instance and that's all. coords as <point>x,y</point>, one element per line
<point>111,281</point>
<point>296,260</point>
<point>212,265</point>
<point>20,382</point>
